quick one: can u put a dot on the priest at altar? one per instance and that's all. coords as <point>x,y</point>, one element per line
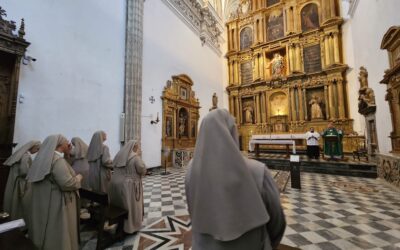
<point>333,147</point>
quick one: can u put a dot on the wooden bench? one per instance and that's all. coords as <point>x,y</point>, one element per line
<point>103,212</point>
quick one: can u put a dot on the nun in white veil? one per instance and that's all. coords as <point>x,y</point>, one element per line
<point>16,187</point>
<point>53,222</point>
<point>126,188</point>
<point>233,201</point>
<point>100,163</point>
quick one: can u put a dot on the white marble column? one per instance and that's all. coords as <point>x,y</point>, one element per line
<point>133,69</point>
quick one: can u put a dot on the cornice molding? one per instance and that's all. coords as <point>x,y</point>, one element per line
<point>202,19</point>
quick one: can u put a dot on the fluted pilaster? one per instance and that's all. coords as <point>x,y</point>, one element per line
<point>133,69</point>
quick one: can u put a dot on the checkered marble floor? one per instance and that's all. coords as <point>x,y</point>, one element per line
<point>329,212</point>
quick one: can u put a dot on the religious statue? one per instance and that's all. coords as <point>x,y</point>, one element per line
<point>316,111</point>
<point>182,123</point>
<point>333,147</point>
<point>248,111</point>
<point>277,66</point>
<point>214,102</point>
<point>366,98</point>
<point>244,6</point>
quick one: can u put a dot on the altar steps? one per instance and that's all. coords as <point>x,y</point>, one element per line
<point>348,167</point>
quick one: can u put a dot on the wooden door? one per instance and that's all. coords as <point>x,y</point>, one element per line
<point>7,114</point>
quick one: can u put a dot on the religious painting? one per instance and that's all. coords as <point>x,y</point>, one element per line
<point>248,110</point>
<point>316,104</point>
<point>275,26</point>
<point>183,93</point>
<point>279,104</point>
<point>169,126</point>
<point>309,17</point>
<point>246,38</point>
<point>183,121</point>
<point>312,58</point>
<point>246,72</point>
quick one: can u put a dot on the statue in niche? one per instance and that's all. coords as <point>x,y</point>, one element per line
<point>214,102</point>
<point>248,111</point>
<point>366,98</point>
<point>277,65</point>
<point>182,124</point>
<point>316,111</point>
<point>244,6</point>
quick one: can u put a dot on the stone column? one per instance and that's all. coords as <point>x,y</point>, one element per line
<point>293,104</point>
<point>327,102</point>
<point>324,8</point>
<point>336,54</point>
<point>327,53</point>
<point>231,105</point>
<point>331,102</point>
<point>291,20</point>
<point>263,113</point>
<point>235,72</point>
<point>258,106</point>
<point>305,105</point>
<point>298,58</point>
<point>133,69</point>
<point>340,100</point>
<point>260,66</point>
<point>257,68</point>
<point>237,111</point>
<point>332,9</point>
<point>301,104</point>
<point>331,49</point>
<point>292,66</point>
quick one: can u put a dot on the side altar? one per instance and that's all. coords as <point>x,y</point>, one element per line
<point>286,70</point>
<point>180,121</point>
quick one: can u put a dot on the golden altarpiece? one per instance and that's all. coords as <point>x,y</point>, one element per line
<point>180,120</point>
<point>286,70</point>
<point>389,164</point>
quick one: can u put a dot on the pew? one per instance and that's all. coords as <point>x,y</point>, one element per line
<point>102,212</point>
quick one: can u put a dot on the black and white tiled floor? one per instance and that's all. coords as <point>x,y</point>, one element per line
<point>330,212</point>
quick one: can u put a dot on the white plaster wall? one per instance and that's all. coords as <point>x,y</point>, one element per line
<point>171,48</point>
<point>370,22</point>
<point>76,85</point>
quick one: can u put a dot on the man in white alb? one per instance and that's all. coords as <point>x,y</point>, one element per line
<point>312,138</point>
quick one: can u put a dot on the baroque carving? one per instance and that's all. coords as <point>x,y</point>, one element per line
<point>296,50</point>
<point>391,43</point>
<point>201,19</point>
<point>366,96</point>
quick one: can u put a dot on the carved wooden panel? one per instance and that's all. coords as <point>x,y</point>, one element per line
<point>312,59</point>
<point>246,72</point>
<point>309,17</point>
<point>275,29</point>
<point>246,38</point>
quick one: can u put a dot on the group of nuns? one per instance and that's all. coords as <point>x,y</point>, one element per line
<point>233,201</point>
<point>45,191</point>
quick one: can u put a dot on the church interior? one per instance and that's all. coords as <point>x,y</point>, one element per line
<point>313,88</point>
